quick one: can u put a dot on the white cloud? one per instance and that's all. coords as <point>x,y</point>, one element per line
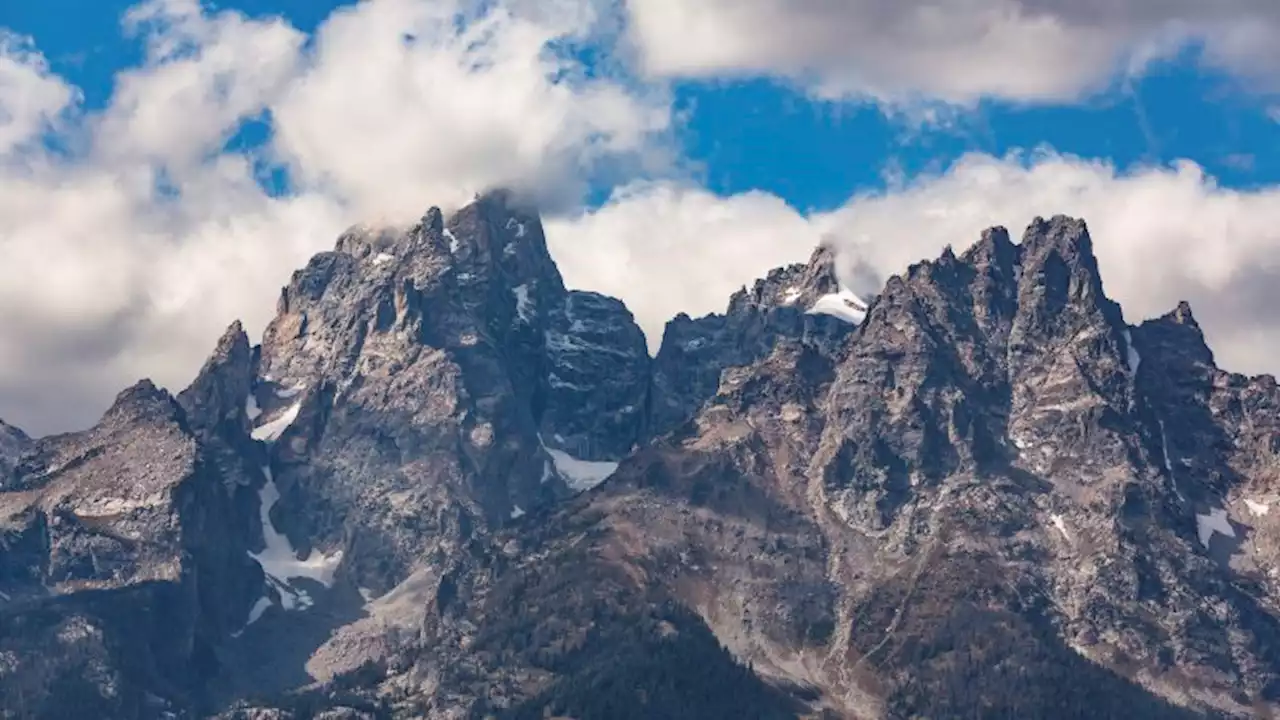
<point>667,248</point>
<point>1161,235</point>
<point>955,50</point>
<point>385,121</point>
<point>129,256</point>
<point>31,99</point>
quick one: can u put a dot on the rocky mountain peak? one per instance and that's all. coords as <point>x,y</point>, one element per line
<point>220,391</point>
<point>1182,315</point>
<point>1061,285</point>
<point>1179,329</point>
<point>446,485</point>
<point>143,402</point>
<point>803,301</point>
<point>799,285</point>
<point>994,247</point>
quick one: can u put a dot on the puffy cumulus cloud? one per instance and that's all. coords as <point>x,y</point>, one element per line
<point>33,99</point>
<point>397,104</point>
<point>957,51</point>
<point>1161,235</point>
<point>666,248</point>
<point>139,233</point>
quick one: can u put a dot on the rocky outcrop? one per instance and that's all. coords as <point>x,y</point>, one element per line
<point>13,443</point>
<point>597,381</point>
<point>798,301</point>
<point>119,555</point>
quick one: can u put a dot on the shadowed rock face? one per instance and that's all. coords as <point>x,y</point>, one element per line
<point>979,494</point>
<point>13,442</point>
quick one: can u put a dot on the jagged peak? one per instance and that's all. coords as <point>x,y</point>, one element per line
<point>1060,269</point>
<point>141,401</point>
<point>233,342</point>
<point>13,433</point>
<point>798,284</point>
<point>1182,315</point>
<point>823,256</point>
<point>1066,235</point>
<point>1178,329</point>
<point>994,245</point>
<point>223,383</point>
<point>433,220</point>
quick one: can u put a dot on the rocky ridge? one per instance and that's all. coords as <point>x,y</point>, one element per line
<point>445,485</point>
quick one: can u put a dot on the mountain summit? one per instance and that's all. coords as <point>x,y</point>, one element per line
<point>446,486</point>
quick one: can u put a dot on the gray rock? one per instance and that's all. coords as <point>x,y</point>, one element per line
<point>981,493</point>
<point>13,443</point>
<point>597,379</point>
<point>118,543</point>
<point>693,354</point>
<point>970,477</point>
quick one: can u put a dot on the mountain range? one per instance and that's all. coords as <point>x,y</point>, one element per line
<point>444,485</point>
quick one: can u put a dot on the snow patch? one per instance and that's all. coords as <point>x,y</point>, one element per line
<point>1133,357</point>
<point>1168,464</point>
<point>517,513</point>
<point>383,258</point>
<point>255,613</point>
<point>288,392</point>
<point>579,475</point>
<point>251,408</point>
<point>790,295</point>
<point>524,306</point>
<point>512,223</point>
<point>279,561</point>
<point>258,608</point>
<point>271,430</point>
<point>1257,509</point>
<point>1059,523</point>
<point>1215,522</point>
<point>843,305</point>
<point>453,240</point>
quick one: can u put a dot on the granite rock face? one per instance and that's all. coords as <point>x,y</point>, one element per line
<point>446,486</point>
<point>120,572</point>
<point>793,302</point>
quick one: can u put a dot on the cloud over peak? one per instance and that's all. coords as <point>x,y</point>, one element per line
<point>134,233</point>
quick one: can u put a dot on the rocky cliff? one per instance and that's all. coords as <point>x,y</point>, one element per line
<point>446,486</point>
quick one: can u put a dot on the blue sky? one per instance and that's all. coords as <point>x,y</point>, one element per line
<point>769,134</point>
<point>158,182</point>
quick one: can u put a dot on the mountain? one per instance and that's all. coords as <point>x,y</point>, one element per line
<point>444,485</point>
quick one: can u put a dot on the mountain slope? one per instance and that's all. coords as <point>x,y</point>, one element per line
<point>445,485</point>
